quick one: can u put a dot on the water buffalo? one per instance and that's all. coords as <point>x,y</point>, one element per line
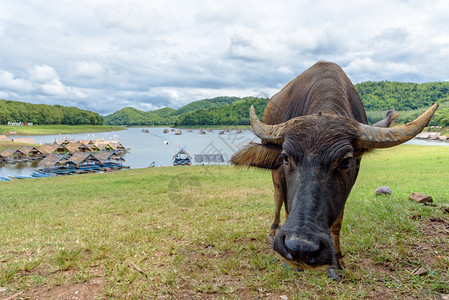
<point>314,134</point>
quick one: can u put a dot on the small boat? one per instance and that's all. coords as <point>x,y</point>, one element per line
<point>5,179</point>
<point>202,131</point>
<point>166,130</point>
<point>178,132</point>
<point>20,176</point>
<point>40,175</point>
<point>221,132</point>
<point>152,165</point>
<point>165,142</point>
<point>182,158</point>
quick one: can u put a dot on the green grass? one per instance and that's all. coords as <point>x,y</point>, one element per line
<point>56,129</point>
<point>201,231</point>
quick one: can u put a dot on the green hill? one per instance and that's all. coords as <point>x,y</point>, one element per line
<point>236,113</point>
<point>164,116</point>
<point>408,98</point>
<point>41,114</point>
<point>207,103</point>
<point>403,96</point>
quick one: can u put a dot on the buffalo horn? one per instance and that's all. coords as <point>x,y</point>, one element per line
<point>270,133</point>
<point>377,137</point>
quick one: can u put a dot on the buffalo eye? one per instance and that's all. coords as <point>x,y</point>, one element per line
<point>284,158</point>
<point>345,164</point>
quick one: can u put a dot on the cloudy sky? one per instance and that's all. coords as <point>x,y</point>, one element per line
<point>104,55</point>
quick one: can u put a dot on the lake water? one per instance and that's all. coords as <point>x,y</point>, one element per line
<point>149,147</point>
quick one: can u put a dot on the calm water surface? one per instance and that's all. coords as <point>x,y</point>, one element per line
<point>149,147</point>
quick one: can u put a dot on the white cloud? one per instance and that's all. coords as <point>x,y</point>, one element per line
<point>9,82</point>
<point>88,69</point>
<point>43,74</point>
<point>104,55</point>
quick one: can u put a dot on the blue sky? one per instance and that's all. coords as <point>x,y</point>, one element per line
<point>107,55</point>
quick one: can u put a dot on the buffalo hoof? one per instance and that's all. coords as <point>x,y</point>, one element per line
<point>273,231</point>
<point>271,238</point>
<point>334,273</point>
<point>287,266</point>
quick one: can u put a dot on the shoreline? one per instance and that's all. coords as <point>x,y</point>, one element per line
<point>12,131</point>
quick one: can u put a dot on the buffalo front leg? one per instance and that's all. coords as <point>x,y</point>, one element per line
<point>278,201</point>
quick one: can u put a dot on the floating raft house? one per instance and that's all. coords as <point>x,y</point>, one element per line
<point>182,158</point>
<point>57,164</point>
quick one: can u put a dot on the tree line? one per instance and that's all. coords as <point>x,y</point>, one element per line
<point>408,98</point>
<point>42,114</point>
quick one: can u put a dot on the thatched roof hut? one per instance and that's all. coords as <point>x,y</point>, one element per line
<point>56,161</point>
<point>84,158</point>
<point>65,142</point>
<point>117,146</point>
<point>84,147</point>
<point>48,148</point>
<point>78,146</point>
<point>92,142</point>
<point>53,148</point>
<point>30,151</point>
<point>104,146</point>
<point>13,153</point>
<point>108,156</point>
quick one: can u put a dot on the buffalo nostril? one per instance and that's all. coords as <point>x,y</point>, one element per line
<point>303,249</point>
<point>288,252</point>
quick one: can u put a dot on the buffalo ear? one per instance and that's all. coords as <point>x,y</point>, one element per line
<point>265,156</point>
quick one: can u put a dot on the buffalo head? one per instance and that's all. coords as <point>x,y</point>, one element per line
<point>318,158</point>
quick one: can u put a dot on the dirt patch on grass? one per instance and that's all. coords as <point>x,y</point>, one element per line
<point>427,252</point>
<point>85,290</point>
<point>90,289</point>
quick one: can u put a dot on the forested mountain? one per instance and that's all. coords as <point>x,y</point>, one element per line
<point>164,116</point>
<point>134,117</point>
<point>207,103</point>
<point>236,113</point>
<point>15,111</point>
<point>378,97</point>
<point>384,95</point>
<point>410,99</point>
